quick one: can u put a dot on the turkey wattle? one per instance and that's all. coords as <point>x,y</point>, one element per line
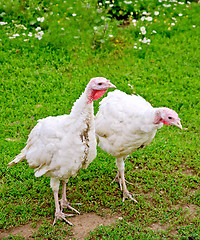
<point>125,123</point>
<point>60,146</point>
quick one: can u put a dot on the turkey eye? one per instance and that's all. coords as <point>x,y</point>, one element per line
<point>170,117</point>
<point>100,83</point>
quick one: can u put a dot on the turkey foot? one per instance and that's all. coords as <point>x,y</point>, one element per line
<point>61,216</point>
<point>65,204</point>
<point>127,194</point>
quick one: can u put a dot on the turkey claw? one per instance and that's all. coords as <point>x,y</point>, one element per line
<point>127,194</point>
<point>61,216</point>
<point>65,204</point>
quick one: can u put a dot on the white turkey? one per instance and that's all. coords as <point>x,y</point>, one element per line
<point>125,123</point>
<point>60,146</point>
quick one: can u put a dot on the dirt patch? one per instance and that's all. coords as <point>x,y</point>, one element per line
<point>83,224</point>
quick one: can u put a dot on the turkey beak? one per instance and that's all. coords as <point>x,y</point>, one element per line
<point>178,124</point>
<point>110,85</point>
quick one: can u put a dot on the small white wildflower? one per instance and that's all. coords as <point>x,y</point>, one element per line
<point>111,5</point>
<point>25,40</point>
<point>144,32</point>
<point>3,13</point>
<point>181,3</point>
<point>165,5</point>
<point>154,31</point>
<point>193,26</point>
<point>62,29</point>
<point>38,29</point>
<point>134,21</point>
<point>11,37</point>
<point>149,19</point>
<point>120,218</point>
<point>76,37</point>
<point>129,2</point>
<point>180,14</point>
<point>173,24</point>
<point>107,2</point>
<point>100,4</point>
<point>37,8</point>
<point>156,13</point>
<point>16,35</point>
<point>3,23</point>
<point>140,40</point>
<point>135,47</point>
<point>102,17</point>
<point>142,19</point>
<point>24,34</point>
<point>110,35</point>
<point>74,14</point>
<point>135,43</point>
<point>40,19</point>
<point>188,2</point>
<point>142,29</point>
<point>139,48</point>
<point>51,13</point>
<point>39,35</point>
<point>30,34</point>
<point>95,28</point>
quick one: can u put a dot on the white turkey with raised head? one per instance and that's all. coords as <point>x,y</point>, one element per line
<point>60,146</point>
<point>125,123</point>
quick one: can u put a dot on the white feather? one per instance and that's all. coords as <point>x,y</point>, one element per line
<point>124,123</point>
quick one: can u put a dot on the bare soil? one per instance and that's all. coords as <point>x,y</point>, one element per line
<point>83,224</point>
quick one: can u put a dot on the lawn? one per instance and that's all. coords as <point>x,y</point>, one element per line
<point>48,53</point>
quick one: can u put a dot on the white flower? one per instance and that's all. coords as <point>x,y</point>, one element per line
<point>181,3</point>
<point>120,218</point>
<point>142,29</point>
<point>111,36</point>
<point>144,32</point>
<point>142,18</point>
<point>145,40</point>
<point>111,5</point>
<point>156,13</point>
<point>3,23</point>
<point>135,47</point>
<point>95,28</point>
<point>107,2</point>
<point>165,5</point>
<point>38,29</point>
<point>140,48</point>
<point>154,31</point>
<point>76,36</point>
<point>39,35</point>
<point>24,34</point>
<point>134,21</point>
<point>140,40</point>
<point>135,43</point>
<point>30,34</point>
<point>193,26</point>
<point>180,14</point>
<point>100,4</point>
<point>74,14</point>
<point>40,19</point>
<point>3,13</point>
<point>128,2</point>
<point>25,40</point>
<point>173,24</point>
<point>149,19</point>
<point>16,35</point>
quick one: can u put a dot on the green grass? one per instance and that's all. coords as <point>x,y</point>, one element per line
<point>44,77</point>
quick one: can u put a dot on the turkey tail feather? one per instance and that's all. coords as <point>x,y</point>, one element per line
<point>20,157</point>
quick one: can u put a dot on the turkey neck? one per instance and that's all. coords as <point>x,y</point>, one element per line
<point>83,107</point>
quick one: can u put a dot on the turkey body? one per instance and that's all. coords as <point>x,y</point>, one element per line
<point>125,123</point>
<point>60,146</point>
